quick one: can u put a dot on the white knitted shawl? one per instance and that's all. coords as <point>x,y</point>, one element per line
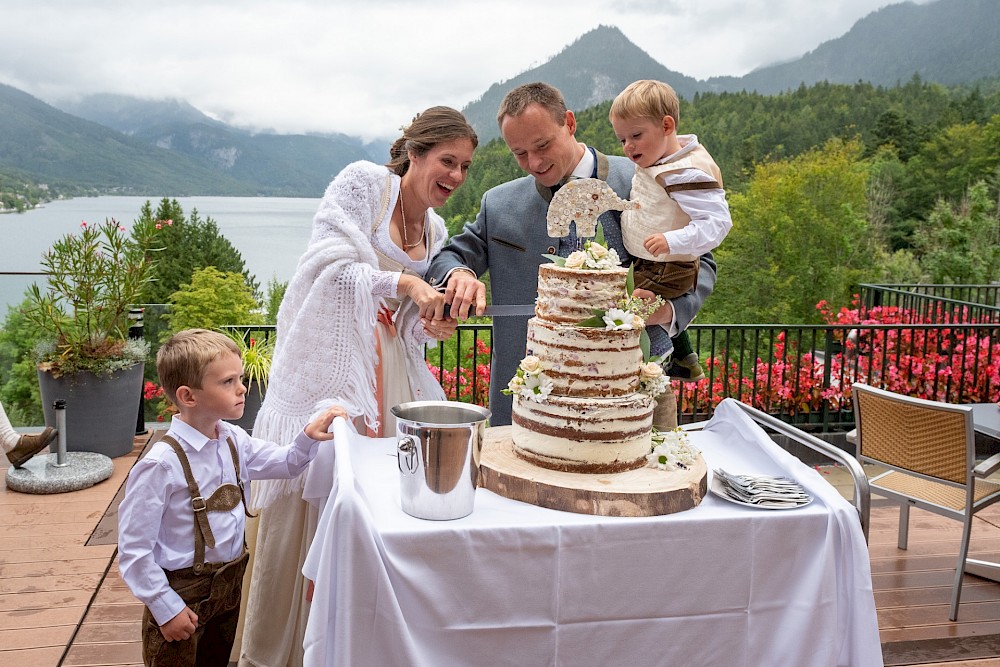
<point>325,351</point>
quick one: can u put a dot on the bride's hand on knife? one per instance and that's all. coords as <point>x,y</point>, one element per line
<point>431,304</point>
<point>429,300</point>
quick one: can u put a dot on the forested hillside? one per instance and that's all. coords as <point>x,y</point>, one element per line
<point>830,185</point>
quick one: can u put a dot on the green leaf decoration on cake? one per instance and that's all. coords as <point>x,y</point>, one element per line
<point>644,345</point>
<point>596,321</point>
<point>555,259</point>
<point>630,280</point>
<point>599,237</point>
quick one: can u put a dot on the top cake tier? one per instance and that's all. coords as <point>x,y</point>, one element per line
<point>570,295</point>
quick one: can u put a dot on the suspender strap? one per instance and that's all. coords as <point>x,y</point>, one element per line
<point>239,478</point>
<point>697,185</point>
<point>202,530</point>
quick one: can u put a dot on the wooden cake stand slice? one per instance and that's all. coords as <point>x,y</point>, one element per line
<point>640,492</point>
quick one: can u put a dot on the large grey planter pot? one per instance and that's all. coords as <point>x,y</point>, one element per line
<point>100,410</point>
<point>254,398</point>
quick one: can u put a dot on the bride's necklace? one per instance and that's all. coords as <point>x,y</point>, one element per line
<point>402,210</point>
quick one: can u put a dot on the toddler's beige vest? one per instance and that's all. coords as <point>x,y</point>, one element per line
<point>660,213</point>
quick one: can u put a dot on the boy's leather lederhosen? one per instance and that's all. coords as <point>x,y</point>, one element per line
<point>211,590</point>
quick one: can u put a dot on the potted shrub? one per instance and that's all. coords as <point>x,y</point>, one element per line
<point>94,277</point>
<point>256,354</point>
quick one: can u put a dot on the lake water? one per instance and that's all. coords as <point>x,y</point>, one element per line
<point>270,232</point>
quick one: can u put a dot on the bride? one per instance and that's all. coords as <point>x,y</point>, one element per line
<point>351,330</point>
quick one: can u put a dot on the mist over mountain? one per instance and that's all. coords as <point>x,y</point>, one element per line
<point>51,145</point>
<point>591,70</point>
<point>949,42</point>
<point>120,144</point>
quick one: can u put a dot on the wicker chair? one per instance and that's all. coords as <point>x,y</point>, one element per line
<point>930,450</point>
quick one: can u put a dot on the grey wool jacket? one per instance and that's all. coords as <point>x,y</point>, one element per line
<point>508,239</point>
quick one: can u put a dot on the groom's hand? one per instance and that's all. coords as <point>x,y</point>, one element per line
<point>465,291</point>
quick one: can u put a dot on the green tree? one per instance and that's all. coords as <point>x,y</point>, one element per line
<point>799,236</point>
<point>190,243</point>
<point>212,299</point>
<point>948,163</point>
<point>18,376</point>
<point>275,293</point>
<point>961,244</point>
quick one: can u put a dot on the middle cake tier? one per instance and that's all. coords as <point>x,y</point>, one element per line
<point>586,361</point>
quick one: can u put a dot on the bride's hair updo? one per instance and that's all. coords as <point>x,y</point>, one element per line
<point>434,126</point>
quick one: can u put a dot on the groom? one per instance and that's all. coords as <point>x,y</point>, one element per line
<point>508,237</point>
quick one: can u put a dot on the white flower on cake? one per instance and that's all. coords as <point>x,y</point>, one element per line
<point>536,387</point>
<point>599,258</point>
<point>650,371</point>
<point>575,260</point>
<point>652,380</point>
<point>530,381</point>
<point>531,364</point>
<point>671,450</point>
<point>616,319</point>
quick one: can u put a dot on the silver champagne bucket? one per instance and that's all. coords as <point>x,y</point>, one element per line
<point>438,456</point>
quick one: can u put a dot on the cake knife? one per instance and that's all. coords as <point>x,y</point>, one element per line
<point>509,310</point>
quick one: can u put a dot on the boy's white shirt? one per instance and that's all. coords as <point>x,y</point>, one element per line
<point>156,520</point>
<point>708,209</point>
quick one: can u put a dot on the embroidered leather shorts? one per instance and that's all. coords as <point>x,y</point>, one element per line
<point>666,279</point>
<point>214,595</point>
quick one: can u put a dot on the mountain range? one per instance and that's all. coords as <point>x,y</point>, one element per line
<point>124,145</point>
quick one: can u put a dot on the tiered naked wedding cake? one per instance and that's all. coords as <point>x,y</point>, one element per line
<point>582,437</point>
<point>583,398</point>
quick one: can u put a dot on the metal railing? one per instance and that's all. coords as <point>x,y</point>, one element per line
<point>800,374</point>
<point>937,303</point>
<point>803,374</point>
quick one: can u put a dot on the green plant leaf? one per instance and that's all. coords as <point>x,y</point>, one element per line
<point>630,280</point>
<point>559,261</point>
<point>597,320</point>
<point>644,345</point>
<point>599,238</point>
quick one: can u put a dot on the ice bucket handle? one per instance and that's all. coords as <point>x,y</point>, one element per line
<point>408,448</point>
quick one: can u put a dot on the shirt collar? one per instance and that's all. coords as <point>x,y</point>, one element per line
<point>585,168</point>
<point>192,436</point>
<point>688,143</point>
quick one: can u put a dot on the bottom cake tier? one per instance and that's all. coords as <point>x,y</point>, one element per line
<point>586,435</point>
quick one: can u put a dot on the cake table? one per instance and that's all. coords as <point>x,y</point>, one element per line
<point>640,492</point>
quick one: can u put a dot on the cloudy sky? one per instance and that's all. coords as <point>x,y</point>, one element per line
<point>364,68</point>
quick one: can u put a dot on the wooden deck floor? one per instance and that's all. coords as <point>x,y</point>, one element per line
<point>62,602</point>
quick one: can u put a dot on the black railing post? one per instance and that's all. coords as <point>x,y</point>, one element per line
<point>135,331</point>
<point>828,352</point>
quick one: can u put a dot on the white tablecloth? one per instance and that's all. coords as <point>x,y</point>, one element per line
<point>514,584</point>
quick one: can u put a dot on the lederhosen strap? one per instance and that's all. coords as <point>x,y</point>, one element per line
<point>222,500</point>
<point>695,185</point>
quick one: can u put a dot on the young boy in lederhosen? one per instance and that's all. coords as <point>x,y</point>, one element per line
<point>180,539</point>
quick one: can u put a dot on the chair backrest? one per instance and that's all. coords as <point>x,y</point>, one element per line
<point>929,438</point>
